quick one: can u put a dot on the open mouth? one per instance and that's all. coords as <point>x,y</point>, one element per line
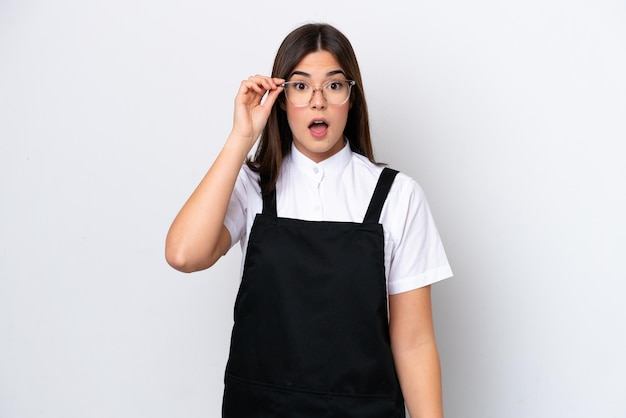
<point>318,127</point>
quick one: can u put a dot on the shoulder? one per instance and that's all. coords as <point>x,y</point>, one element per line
<point>408,188</point>
<point>364,172</point>
<point>248,180</point>
<point>404,187</point>
<point>362,164</point>
<point>247,189</point>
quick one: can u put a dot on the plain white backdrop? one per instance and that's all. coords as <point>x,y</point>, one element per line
<point>511,115</point>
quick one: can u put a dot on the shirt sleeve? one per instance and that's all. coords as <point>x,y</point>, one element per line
<point>236,213</point>
<point>417,256</point>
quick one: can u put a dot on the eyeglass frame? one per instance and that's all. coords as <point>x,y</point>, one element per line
<point>351,83</point>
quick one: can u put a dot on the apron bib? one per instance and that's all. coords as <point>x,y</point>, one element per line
<point>311,334</point>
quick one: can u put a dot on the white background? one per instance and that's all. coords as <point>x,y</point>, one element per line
<point>511,115</point>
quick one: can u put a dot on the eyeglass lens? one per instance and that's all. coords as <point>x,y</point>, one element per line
<point>300,93</point>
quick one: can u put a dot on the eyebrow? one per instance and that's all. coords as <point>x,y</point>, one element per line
<point>328,74</point>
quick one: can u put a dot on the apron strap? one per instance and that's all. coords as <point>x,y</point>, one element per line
<point>269,200</point>
<point>380,195</point>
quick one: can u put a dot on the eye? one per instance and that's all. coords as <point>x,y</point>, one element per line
<point>335,85</point>
<point>299,85</point>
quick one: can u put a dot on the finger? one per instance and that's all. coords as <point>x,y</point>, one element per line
<point>252,85</point>
<point>266,83</point>
<point>272,96</point>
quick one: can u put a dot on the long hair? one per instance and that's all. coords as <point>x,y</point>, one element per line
<point>276,138</point>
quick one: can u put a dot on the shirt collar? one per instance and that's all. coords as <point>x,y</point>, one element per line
<point>331,166</point>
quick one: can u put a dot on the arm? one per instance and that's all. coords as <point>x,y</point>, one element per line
<point>415,352</point>
<point>198,238</point>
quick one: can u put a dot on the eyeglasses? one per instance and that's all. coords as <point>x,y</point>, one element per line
<point>335,92</point>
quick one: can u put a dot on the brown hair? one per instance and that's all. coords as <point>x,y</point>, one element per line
<point>276,138</point>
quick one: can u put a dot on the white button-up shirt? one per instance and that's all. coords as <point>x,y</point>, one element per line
<point>340,189</point>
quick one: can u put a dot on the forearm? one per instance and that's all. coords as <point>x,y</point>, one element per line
<point>196,237</point>
<point>415,352</point>
<point>419,373</point>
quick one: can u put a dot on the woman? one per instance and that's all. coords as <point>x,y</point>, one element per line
<point>333,315</point>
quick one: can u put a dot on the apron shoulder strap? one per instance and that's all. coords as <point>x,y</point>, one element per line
<point>269,200</point>
<point>380,195</point>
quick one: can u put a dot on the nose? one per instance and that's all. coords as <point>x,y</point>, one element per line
<point>318,101</point>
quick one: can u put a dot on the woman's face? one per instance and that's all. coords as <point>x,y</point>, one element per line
<point>318,127</point>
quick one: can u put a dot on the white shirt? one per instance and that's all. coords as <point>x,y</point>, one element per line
<point>340,189</point>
